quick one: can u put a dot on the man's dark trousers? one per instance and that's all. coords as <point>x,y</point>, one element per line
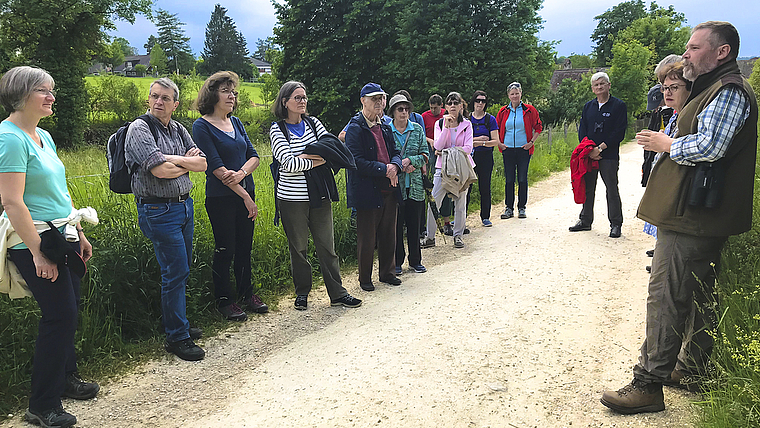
<point>608,168</point>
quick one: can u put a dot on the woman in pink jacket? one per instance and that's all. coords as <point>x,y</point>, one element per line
<point>452,131</point>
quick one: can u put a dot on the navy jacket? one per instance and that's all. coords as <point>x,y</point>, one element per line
<point>364,184</point>
<point>607,125</point>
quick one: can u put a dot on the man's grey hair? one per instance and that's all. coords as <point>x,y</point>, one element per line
<point>168,84</point>
<point>18,83</point>
<point>600,75</point>
<point>670,59</point>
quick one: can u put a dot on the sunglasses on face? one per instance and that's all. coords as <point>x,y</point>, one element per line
<point>402,108</point>
<point>453,103</point>
<point>480,100</point>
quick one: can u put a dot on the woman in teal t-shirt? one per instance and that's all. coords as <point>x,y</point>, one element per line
<point>33,188</point>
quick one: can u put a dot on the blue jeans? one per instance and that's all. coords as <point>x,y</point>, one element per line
<point>170,227</point>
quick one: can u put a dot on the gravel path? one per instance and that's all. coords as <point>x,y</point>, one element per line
<point>525,327</point>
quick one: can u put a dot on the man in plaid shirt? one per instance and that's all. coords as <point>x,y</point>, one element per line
<point>698,194</point>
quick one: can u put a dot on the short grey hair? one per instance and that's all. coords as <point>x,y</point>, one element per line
<point>286,90</point>
<point>670,59</point>
<point>166,83</point>
<point>600,75</point>
<point>18,83</point>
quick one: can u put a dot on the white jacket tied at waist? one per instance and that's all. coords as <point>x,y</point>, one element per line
<point>456,171</point>
<point>11,282</point>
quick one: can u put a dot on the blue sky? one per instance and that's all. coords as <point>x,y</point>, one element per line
<point>570,22</point>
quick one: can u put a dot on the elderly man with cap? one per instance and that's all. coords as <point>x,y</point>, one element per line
<point>373,188</point>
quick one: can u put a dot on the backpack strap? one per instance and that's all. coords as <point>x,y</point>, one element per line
<point>152,126</point>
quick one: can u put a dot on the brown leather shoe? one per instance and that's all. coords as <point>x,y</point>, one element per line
<point>682,380</point>
<point>636,397</point>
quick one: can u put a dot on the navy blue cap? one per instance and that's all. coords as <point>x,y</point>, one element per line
<point>654,97</point>
<point>371,89</point>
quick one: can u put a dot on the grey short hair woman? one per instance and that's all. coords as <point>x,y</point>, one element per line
<point>33,189</point>
<point>292,194</point>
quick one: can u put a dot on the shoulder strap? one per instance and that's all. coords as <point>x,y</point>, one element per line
<point>151,126</point>
<point>313,126</point>
<point>284,129</point>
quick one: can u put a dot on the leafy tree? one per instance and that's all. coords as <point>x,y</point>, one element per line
<point>581,61</point>
<point>123,44</point>
<point>663,35</point>
<point>158,60</point>
<point>60,37</point>
<point>174,42</point>
<point>754,78</point>
<point>629,74</point>
<point>141,69</point>
<point>262,46</point>
<point>152,40</point>
<point>610,23</point>
<point>225,47</point>
<point>111,54</point>
<point>271,85</point>
<point>336,46</point>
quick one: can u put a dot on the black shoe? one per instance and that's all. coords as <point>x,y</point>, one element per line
<point>78,389</point>
<point>448,229</point>
<point>650,253</point>
<point>466,231</point>
<point>195,333</point>
<point>615,231</point>
<point>348,301</point>
<point>579,227</point>
<point>186,349</point>
<point>391,280</point>
<point>508,213</point>
<point>368,286</point>
<point>649,269</point>
<point>57,418</point>
<point>301,302</point>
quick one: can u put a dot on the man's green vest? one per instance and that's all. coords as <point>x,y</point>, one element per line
<point>665,201</point>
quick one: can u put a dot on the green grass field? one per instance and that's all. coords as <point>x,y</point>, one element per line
<point>143,84</point>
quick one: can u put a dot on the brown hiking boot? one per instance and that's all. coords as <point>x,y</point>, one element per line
<point>636,397</point>
<point>682,380</point>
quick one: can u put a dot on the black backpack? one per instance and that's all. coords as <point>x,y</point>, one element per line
<point>120,174</point>
<point>274,167</point>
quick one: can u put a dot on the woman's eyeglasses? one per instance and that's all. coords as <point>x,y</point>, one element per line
<point>45,92</point>
<point>227,91</point>
<point>480,100</point>
<point>400,108</point>
<point>672,88</point>
<point>453,103</point>
<point>301,98</point>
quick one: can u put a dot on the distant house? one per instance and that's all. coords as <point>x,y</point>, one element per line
<point>263,66</point>
<point>573,73</point>
<point>128,67</point>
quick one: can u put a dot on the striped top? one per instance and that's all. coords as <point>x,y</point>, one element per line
<point>292,184</point>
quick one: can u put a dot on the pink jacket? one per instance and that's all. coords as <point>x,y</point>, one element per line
<point>442,139</point>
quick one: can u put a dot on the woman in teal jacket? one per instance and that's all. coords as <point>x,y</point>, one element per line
<point>411,143</point>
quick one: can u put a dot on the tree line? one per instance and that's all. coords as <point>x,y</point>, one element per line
<point>336,46</point>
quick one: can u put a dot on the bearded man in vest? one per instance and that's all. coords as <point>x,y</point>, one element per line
<point>699,193</point>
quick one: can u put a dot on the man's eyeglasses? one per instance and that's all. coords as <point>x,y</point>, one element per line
<point>165,98</point>
<point>480,100</point>
<point>227,91</point>
<point>301,98</point>
<point>672,88</point>
<point>453,103</point>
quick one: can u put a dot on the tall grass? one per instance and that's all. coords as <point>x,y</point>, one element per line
<point>733,397</point>
<point>545,161</point>
<point>120,315</point>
